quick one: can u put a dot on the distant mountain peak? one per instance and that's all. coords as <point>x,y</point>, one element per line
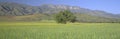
<point>23,9</point>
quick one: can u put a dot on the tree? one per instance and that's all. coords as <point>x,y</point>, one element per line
<point>64,17</point>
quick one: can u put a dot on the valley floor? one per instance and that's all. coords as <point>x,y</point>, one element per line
<point>52,30</point>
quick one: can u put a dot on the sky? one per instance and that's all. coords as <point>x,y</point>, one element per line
<point>111,6</point>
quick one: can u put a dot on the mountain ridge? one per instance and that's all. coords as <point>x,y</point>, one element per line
<point>15,9</point>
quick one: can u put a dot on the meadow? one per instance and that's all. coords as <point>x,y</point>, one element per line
<point>52,30</point>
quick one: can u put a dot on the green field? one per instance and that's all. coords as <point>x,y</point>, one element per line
<point>52,30</point>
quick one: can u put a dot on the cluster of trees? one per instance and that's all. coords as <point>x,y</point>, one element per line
<point>64,17</point>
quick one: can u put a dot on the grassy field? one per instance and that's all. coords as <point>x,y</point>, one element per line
<point>52,30</point>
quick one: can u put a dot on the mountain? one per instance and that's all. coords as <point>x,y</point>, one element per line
<point>75,9</point>
<point>15,11</point>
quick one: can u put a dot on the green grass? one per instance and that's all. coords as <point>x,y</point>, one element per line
<point>52,30</point>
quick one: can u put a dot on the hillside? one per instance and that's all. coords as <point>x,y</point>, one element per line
<point>15,11</point>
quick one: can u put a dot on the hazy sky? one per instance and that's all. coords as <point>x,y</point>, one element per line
<point>112,6</point>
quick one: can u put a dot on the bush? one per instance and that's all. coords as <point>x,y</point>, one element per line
<point>64,17</point>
